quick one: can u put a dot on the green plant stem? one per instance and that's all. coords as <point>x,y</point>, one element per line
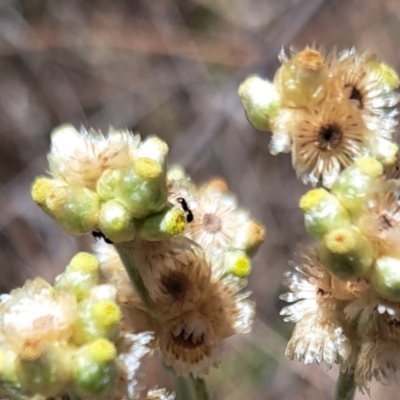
<point>346,386</point>
<point>136,279</point>
<point>199,388</point>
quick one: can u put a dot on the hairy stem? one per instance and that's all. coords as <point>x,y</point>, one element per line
<point>345,386</point>
<point>199,388</point>
<point>136,279</point>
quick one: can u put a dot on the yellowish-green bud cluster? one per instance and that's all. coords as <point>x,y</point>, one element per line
<point>80,356</point>
<point>358,227</point>
<point>110,190</point>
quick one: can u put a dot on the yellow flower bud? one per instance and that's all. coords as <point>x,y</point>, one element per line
<point>323,212</point>
<point>97,319</point>
<point>41,188</point>
<point>95,370</point>
<point>346,253</point>
<point>81,275</point>
<point>116,222</point>
<point>84,262</point>
<point>237,263</point>
<point>261,102</point>
<point>160,226</point>
<point>300,80</point>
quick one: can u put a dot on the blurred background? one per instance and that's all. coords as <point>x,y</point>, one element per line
<point>172,68</point>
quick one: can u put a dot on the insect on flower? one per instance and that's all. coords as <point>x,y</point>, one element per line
<point>186,209</point>
<point>99,235</point>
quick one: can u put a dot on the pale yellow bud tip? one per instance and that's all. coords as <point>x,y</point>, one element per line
<point>107,312</point>
<point>310,59</point>
<point>147,168</point>
<point>217,184</point>
<point>369,166</point>
<point>176,222</point>
<point>56,199</point>
<point>31,350</point>
<point>256,232</point>
<point>312,198</point>
<point>84,262</point>
<point>102,351</point>
<point>340,241</point>
<point>242,267</point>
<point>41,189</point>
<point>388,75</point>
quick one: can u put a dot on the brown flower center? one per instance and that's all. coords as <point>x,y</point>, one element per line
<point>395,323</point>
<point>355,95</point>
<point>329,136</point>
<point>176,284</point>
<point>211,223</point>
<point>188,343</point>
<point>385,222</point>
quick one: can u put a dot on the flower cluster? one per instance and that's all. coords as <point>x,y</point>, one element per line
<point>327,110</point>
<point>346,292</point>
<point>65,340</point>
<point>187,249</point>
<point>108,185</point>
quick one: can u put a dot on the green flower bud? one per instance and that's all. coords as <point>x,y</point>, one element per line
<point>9,383</point>
<point>323,213</point>
<point>75,209</point>
<point>346,254</point>
<point>300,80</point>
<point>261,102</point>
<point>95,369</point>
<point>107,183</point>
<point>355,181</point>
<point>97,319</point>
<point>160,226</point>
<point>385,277</point>
<point>43,368</point>
<point>143,188</point>
<point>82,274</point>
<point>116,222</point>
